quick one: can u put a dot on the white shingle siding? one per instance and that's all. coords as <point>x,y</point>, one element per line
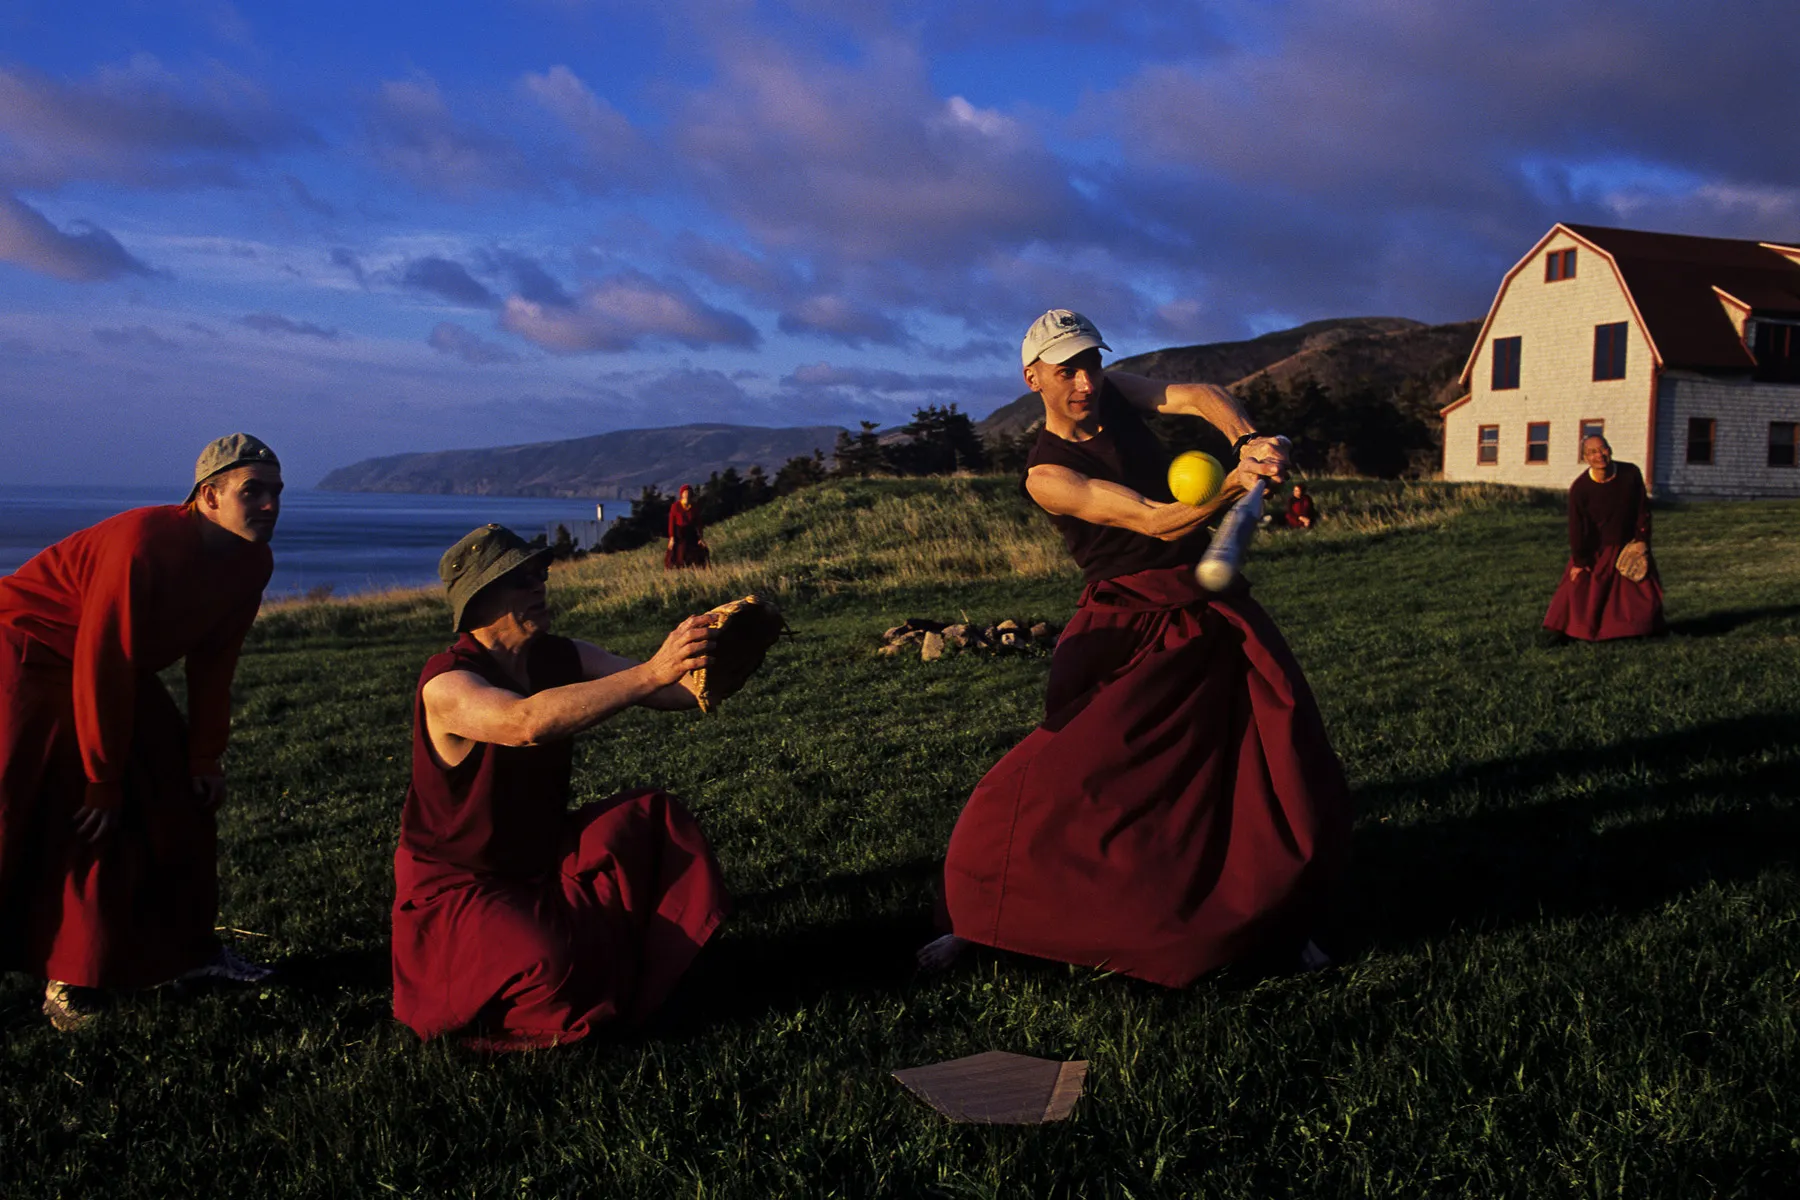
<point>1555,324</point>
<point>1742,412</point>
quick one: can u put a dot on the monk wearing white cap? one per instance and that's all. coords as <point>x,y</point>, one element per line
<point>108,868</point>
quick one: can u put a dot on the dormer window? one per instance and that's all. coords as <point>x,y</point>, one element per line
<point>1559,265</point>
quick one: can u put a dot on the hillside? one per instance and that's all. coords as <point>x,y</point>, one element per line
<point>1384,352</point>
<point>605,466</point>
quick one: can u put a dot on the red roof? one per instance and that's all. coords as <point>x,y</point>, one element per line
<point>1671,277</point>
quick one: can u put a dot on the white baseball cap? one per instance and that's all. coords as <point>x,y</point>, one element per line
<point>1058,336</point>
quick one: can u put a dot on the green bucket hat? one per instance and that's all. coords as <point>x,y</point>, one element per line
<point>479,558</point>
<point>232,450</point>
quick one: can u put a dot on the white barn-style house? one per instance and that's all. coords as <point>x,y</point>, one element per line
<point>1683,351</point>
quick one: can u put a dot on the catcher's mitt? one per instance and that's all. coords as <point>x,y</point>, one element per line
<point>1633,561</point>
<point>744,631</point>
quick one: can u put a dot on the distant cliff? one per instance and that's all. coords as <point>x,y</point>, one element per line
<point>604,466</point>
<point>1338,354</point>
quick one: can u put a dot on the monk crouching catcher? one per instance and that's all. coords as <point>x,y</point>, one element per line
<point>1180,807</point>
<point>519,924</point>
<point>108,847</point>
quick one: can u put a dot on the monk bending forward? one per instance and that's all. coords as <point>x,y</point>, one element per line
<point>1608,510</point>
<point>108,848</point>
<point>519,924</point>
<point>1180,806</point>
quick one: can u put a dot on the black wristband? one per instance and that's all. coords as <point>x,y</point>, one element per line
<point>1237,447</point>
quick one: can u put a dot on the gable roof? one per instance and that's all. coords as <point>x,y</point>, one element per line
<point>1671,278</point>
<point>1674,281</point>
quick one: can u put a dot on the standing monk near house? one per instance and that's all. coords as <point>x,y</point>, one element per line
<point>1180,806</point>
<point>687,537</point>
<point>108,849</point>
<point>1609,513</point>
<point>518,924</point>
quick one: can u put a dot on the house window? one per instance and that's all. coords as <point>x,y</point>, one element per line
<point>1487,445</point>
<point>1537,442</point>
<point>1777,351</point>
<point>1506,363</point>
<point>1590,427</point>
<point>1784,440</point>
<point>1559,264</point>
<point>1700,440</point>
<point>1609,351</point>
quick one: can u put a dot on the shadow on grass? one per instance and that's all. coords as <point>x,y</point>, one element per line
<point>1714,624</point>
<point>1611,846</point>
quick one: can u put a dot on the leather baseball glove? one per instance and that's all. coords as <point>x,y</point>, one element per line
<point>743,632</point>
<point>1633,561</point>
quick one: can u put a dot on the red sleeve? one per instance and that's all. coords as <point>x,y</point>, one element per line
<point>105,682</point>
<point>1581,549</point>
<point>210,667</point>
<point>674,523</point>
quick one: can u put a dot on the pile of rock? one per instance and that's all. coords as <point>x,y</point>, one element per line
<point>936,639</point>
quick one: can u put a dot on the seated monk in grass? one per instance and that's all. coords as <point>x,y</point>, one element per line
<point>1302,512</point>
<point>1179,807</point>
<point>108,848</point>
<point>517,923</point>
<point>1608,510</point>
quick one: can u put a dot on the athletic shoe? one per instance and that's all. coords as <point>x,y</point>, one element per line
<point>227,965</point>
<point>70,1007</point>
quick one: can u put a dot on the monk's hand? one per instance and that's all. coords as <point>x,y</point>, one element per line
<point>209,790</point>
<point>1577,572</point>
<point>684,650</point>
<point>94,824</point>
<point>1262,458</point>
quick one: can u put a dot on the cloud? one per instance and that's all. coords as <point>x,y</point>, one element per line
<point>529,279</point>
<point>608,151</point>
<point>265,322</point>
<point>346,259</point>
<point>842,320</point>
<point>875,379</point>
<point>452,339</point>
<point>137,124</point>
<point>304,197</point>
<point>448,280</point>
<point>134,335</point>
<point>85,254</point>
<point>623,312</point>
<point>413,132</point>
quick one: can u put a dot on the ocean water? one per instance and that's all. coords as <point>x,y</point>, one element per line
<point>348,541</point>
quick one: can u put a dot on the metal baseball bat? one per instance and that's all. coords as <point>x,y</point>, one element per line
<point>1218,567</point>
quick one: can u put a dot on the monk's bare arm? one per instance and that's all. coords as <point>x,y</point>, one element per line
<point>462,707</point>
<point>1208,401</point>
<point>598,663</point>
<point>1100,502</point>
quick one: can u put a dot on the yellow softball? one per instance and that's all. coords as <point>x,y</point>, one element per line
<point>1195,477</point>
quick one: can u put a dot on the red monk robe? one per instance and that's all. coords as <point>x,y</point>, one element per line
<point>1180,806</point>
<point>84,627</point>
<point>1593,601</point>
<point>687,537</point>
<point>520,924</point>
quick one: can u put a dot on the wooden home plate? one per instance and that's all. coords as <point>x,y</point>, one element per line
<point>997,1088</point>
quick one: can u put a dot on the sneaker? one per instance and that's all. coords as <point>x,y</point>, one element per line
<point>70,1007</point>
<point>226,965</point>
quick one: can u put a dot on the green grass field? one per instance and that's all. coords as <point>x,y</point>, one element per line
<point>1568,954</point>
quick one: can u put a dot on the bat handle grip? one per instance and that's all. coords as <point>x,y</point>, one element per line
<point>1218,567</point>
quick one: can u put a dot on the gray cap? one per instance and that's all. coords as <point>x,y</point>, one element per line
<point>479,558</point>
<point>232,450</point>
<point>1058,336</point>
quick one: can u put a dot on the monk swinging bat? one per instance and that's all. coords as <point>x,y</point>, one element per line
<point>1218,567</point>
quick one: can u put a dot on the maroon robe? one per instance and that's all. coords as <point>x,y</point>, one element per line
<point>686,532</point>
<point>1300,507</point>
<point>1600,603</point>
<point>84,628</point>
<point>519,924</point>
<point>1180,806</point>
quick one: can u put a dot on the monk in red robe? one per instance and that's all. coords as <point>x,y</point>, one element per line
<point>517,923</point>
<point>687,537</point>
<point>108,869</point>
<point>1302,512</point>
<point>1608,509</point>
<point>1180,807</point>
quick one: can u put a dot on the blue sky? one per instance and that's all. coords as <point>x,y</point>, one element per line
<point>373,228</point>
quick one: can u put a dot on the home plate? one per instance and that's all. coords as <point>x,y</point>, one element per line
<point>997,1088</point>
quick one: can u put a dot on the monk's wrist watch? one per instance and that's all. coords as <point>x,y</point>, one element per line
<point>1237,447</point>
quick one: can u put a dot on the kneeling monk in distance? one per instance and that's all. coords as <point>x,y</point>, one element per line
<point>517,923</point>
<point>1179,807</point>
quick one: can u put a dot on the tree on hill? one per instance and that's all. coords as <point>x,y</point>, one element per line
<point>800,471</point>
<point>941,441</point>
<point>858,455</point>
